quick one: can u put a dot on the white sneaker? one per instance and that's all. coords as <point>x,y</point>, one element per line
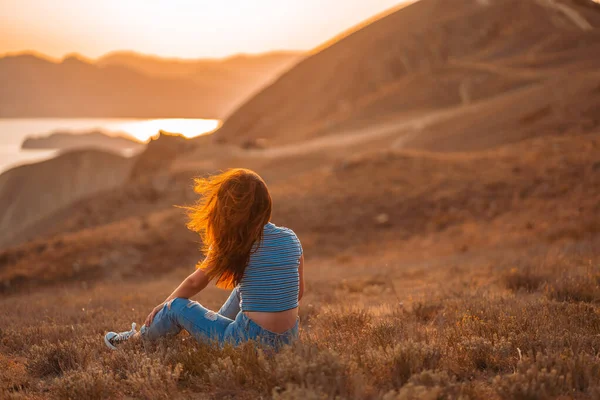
<point>112,339</point>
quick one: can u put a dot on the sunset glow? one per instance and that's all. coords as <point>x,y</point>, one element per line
<point>177,28</point>
<point>144,130</point>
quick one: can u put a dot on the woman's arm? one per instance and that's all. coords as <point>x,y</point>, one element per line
<point>301,277</point>
<point>190,286</point>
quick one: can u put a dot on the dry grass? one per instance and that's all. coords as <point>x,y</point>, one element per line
<point>470,290</point>
<point>492,328</point>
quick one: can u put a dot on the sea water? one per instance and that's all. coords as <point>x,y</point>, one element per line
<point>14,131</point>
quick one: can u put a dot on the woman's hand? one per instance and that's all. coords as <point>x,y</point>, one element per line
<point>153,313</point>
<point>188,288</point>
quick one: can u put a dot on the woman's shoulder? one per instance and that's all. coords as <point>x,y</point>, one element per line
<point>280,229</point>
<point>284,232</point>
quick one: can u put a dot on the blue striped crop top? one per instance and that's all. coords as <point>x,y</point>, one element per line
<point>271,281</point>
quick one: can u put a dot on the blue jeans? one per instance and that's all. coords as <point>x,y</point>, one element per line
<point>229,325</point>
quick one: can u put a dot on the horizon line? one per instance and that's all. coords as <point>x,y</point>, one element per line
<point>39,54</point>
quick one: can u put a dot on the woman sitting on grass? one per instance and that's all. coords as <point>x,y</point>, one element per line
<point>261,262</point>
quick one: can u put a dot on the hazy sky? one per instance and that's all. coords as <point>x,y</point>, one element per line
<point>177,28</point>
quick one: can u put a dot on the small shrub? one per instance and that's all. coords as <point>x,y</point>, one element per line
<point>93,385</point>
<point>387,333</point>
<point>194,358</point>
<point>393,366</point>
<point>19,340</point>
<point>346,321</point>
<point>241,367</point>
<point>13,375</point>
<point>427,385</point>
<point>426,312</point>
<point>343,330</point>
<point>577,288</point>
<point>480,354</point>
<point>151,379</point>
<point>297,392</point>
<point>309,366</point>
<point>52,359</point>
<point>548,376</point>
<point>523,279</point>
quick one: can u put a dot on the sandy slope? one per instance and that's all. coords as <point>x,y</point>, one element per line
<point>427,56</point>
<point>31,192</point>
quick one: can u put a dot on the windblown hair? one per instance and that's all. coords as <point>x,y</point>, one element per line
<point>230,216</point>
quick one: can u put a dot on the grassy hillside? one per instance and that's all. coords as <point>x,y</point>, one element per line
<point>512,323</point>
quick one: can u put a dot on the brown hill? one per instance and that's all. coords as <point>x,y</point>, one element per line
<point>431,55</point>
<point>414,203</point>
<point>31,192</point>
<point>147,181</point>
<point>554,108</point>
<point>37,87</point>
<point>154,163</point>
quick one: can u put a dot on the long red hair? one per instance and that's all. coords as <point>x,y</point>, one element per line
<point>230,215</point>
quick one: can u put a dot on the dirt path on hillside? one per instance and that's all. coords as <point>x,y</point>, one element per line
<point>568,12</point>
<point>396,133</point>
<point>356,137</point>
<point>399,131</point>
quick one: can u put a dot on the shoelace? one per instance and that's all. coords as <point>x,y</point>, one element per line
<point>123,336</point>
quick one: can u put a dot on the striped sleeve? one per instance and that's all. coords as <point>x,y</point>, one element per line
<point>300,250</point>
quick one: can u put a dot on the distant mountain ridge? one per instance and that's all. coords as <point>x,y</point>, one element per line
<point>131,85</point>
<point>241,64</point>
